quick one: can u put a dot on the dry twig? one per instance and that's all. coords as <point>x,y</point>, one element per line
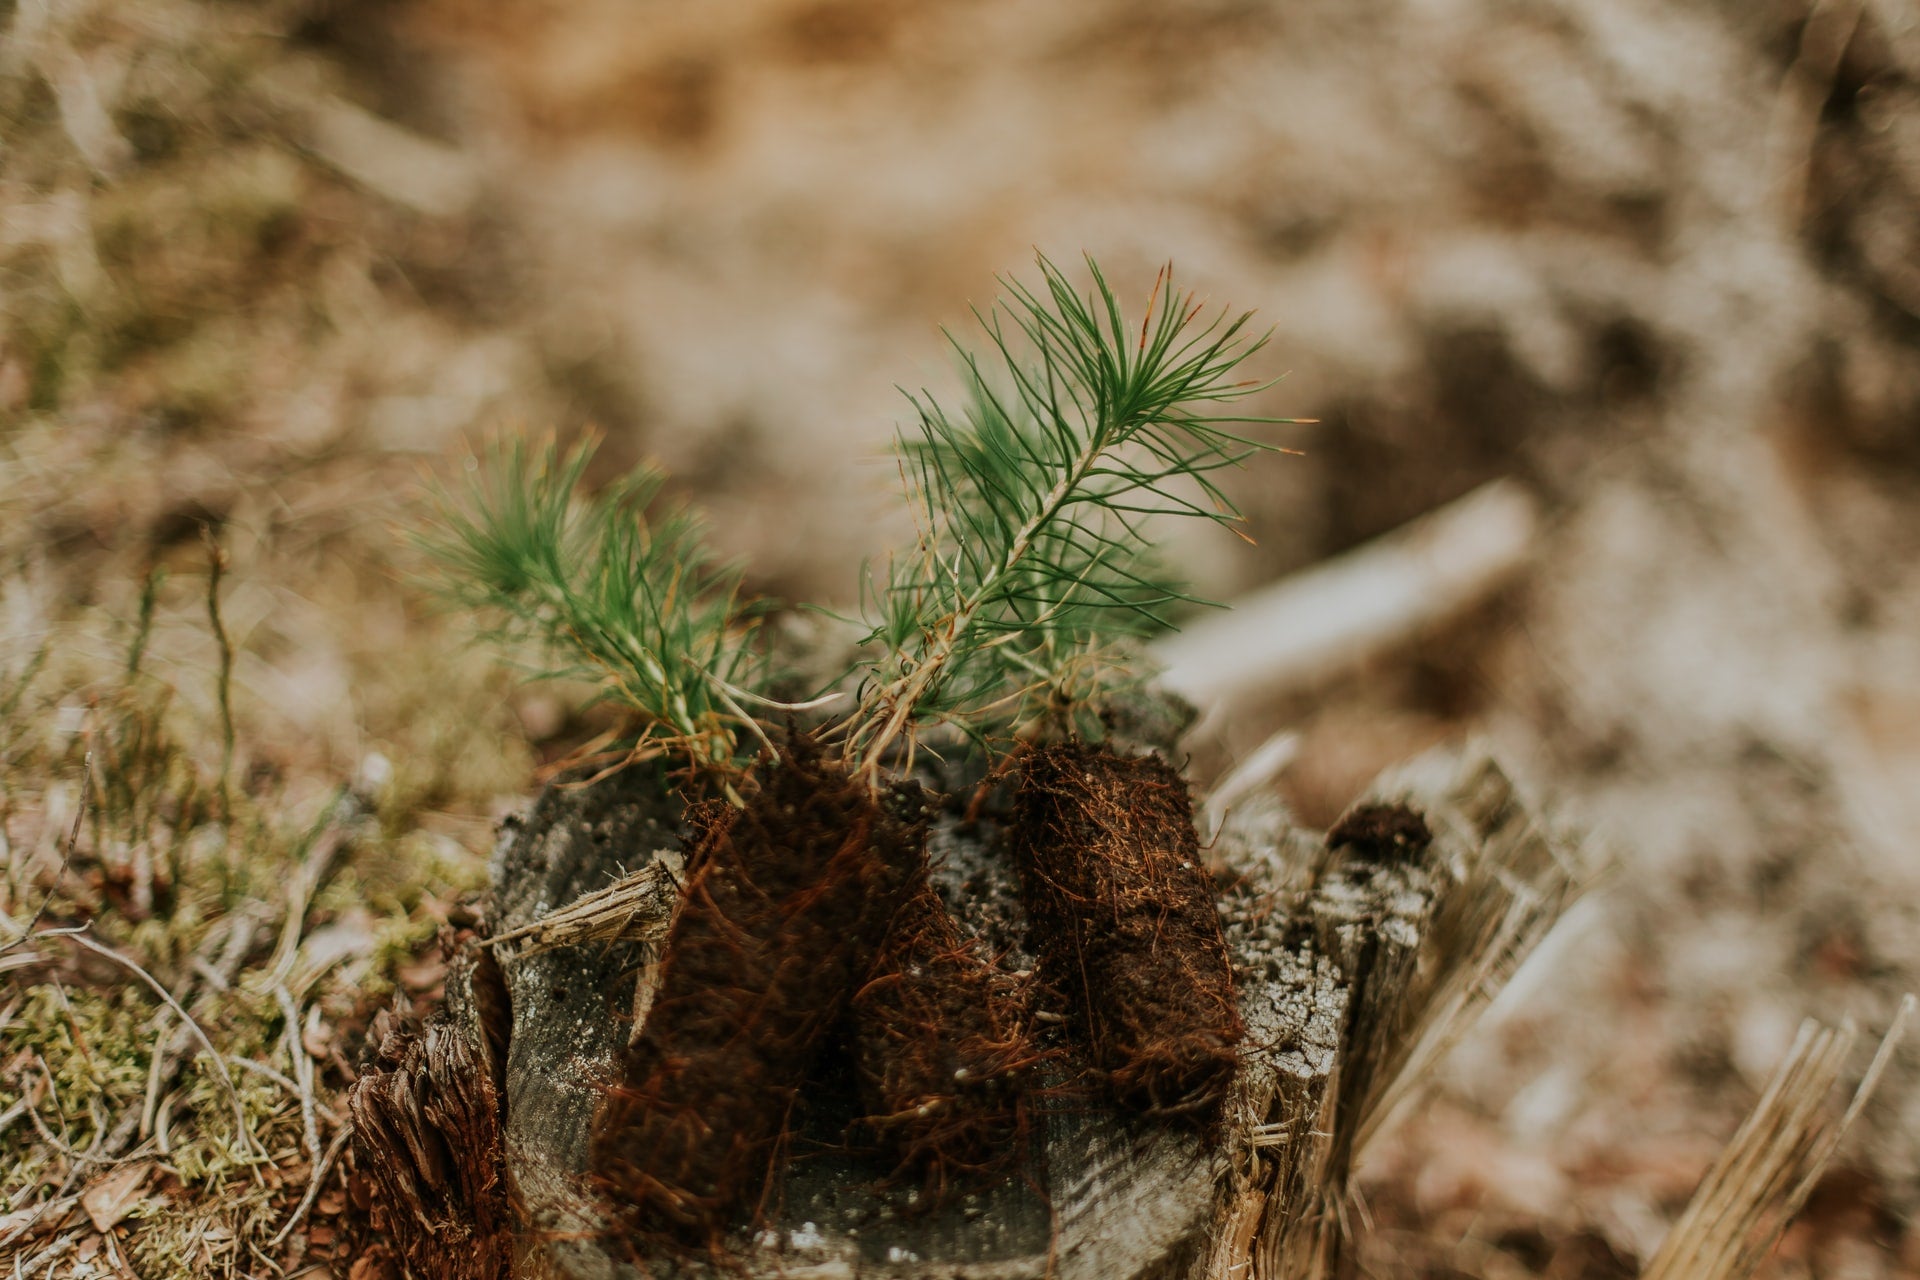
<point>1764,1176</point>
<point>1316,622</point>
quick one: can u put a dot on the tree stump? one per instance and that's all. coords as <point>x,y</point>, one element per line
<point>1355,967</point>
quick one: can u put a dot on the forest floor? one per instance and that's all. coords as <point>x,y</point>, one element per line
<point>264,264</point>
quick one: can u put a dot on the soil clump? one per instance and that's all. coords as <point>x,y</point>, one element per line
<point>1381,832</point>
<point>942,1046</point>
<point>787,903</point>
<point>1125,925</point>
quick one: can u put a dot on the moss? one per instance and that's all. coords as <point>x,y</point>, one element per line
<point>95,1031</point>
<point>94,1045</point>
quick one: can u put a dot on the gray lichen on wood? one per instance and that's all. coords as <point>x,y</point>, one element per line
<point>1379,967</point>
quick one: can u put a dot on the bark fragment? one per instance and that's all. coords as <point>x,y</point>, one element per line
<point>426,1120</point>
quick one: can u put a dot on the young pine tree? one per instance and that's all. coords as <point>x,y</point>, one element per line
<point>1011,618</point>
<point>790,888</point>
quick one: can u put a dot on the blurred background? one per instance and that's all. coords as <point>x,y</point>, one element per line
<point>1653,264</point>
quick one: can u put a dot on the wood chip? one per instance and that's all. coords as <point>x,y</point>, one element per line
<point>37,1220</point>
<point>114,1196</point>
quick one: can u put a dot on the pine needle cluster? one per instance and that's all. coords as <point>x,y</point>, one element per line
<point>619,591</point>
<point>1032,498</point>
<point>1033,569</point>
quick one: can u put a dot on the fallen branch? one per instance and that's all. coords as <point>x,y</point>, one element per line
<point>1330,617</point>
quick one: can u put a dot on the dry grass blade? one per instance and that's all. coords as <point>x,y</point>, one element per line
<point>242,1130</point>
<point>315,865</point>
<point>638,908</point>
<point>66,859</point>
<point>302,1066</point>
<point>1761,1180</point>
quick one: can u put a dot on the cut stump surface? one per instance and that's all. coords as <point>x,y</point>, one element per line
<point>1354,967</point>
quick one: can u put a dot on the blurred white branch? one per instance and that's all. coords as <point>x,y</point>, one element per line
<point>1308,626</point>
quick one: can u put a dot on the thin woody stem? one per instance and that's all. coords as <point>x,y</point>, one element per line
<point>904,694</point>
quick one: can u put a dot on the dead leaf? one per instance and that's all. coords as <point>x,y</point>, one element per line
<point>113,1197</point>
<point>331,1204</point>
<point>316,1037</point>
<point>45,1218</point>
<point>423,974</point>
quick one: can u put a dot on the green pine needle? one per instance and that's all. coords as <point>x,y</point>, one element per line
<point>606,590</point>
<point>1078,426</point>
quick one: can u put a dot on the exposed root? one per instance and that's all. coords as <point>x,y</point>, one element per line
<point>787,902</point>
<point>942,1046</point>
<point>1124,922</point>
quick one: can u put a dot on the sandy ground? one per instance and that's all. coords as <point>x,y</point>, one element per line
<point>1654,262</point>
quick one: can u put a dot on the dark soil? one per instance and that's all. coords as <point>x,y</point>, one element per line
<point>1124,923</point>
<point>785,908</point>
<point>1381,832</point>
<point>942,1045</point>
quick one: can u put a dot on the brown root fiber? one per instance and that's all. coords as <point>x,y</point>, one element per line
<point>941,1044</point>
<point>1123,918</point>
<point>785,906</point>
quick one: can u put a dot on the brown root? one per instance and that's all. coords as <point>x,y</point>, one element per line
<point>785,907</point>
<point>942,1044</point>
<point>1123,918</point>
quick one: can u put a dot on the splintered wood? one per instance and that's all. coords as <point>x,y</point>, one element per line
<point>1763,1177</point>
<point>427,1122</point>
<point>1357,961</point>
<point>1376,963</point>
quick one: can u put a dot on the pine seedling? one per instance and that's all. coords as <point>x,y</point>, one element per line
<point>615,590</point>
<point>792,887</point>
<point>1031,573</point>
<point>1031,498</point>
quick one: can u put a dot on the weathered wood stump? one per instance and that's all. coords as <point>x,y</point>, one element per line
<point>1356,965</point>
